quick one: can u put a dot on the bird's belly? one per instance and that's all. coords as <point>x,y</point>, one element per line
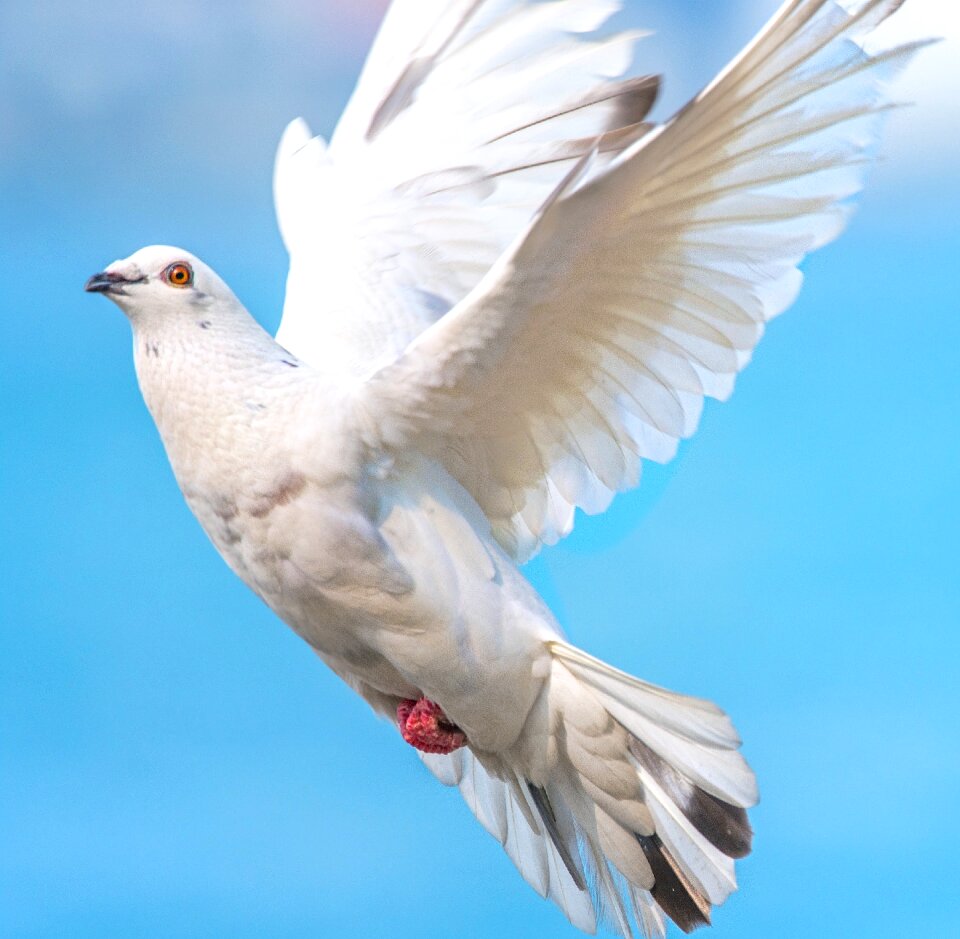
<point>413,600</point>
<point>473,654</point>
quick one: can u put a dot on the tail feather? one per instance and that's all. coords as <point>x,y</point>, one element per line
<point>695,792</point>
<point>724,825</point>
<point>702,864</point>
<point>606,894</point>
<point>696,719</point>
<point>668,724</point>
<point>564,841</point>
<point>672,890</point>
<point>542,844</point>
<point>618,826</point>
<point>648,914</point>
<point>656,796</point>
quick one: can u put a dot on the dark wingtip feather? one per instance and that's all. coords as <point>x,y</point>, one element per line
<point>635,99</point>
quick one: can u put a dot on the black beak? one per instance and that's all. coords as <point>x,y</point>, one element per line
<point>107,282</point>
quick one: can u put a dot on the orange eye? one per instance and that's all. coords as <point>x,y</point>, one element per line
<point>178,275</point>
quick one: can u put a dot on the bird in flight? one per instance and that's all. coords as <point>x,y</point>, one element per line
<point>507,289</point>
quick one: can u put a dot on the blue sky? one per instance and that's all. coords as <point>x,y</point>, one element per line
<point>175,763</point>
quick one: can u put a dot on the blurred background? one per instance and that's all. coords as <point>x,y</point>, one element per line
<point>175,763</point>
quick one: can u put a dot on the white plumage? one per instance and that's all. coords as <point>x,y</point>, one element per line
<point>507,290</point>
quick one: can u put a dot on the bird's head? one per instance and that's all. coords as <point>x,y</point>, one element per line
<point>159,281</point>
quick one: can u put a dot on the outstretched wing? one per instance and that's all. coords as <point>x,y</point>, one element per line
<point>641,290</point>
<point>467,114</point>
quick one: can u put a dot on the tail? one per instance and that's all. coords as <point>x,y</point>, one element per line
<point>637,813</point>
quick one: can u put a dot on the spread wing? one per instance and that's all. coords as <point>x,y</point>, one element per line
<point>639,291</point>
<point>466,115</point>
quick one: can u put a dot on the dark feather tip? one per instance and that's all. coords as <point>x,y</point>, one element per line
<point>672,890</point>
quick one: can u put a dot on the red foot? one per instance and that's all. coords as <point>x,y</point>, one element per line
<point>424,726</point>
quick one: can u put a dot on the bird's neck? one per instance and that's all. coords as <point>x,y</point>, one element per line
<point>209,383</point>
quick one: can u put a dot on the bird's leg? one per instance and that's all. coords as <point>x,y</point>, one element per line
<point>424,726</point>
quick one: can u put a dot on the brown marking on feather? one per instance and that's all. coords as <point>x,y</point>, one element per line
<point>401,94</point>
<point>225,509</point>
<point>613,141</point>
<point>289,487</point>
<point>725,826</point>
<point>634,99</point>
<point>544,808</point>
<point>672,889</point>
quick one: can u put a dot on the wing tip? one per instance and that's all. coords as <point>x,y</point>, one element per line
<point>296,135</point>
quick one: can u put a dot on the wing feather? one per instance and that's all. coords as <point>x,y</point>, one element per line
<point>644,287</point>
<point>465,117</point>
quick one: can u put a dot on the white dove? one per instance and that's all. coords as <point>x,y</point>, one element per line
<point>506,290</point>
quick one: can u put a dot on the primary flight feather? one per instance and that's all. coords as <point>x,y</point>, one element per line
<point>507,289</point>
